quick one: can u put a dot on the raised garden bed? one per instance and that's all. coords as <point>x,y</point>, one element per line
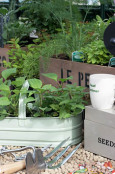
<point>79,71</point>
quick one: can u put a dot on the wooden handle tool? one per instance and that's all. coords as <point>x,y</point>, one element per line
<point>12,167</point>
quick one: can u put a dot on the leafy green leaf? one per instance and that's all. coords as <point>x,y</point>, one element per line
<point>30,99</point>
<point>31,93</point>
<point>47,87</point>
<point>35,83</point>
<point>65,79</point>
<point>1,80</point>
<point>37,114</point>
<point>53,89</point>
<point>8,72</point>
<point>43,109</point>
<point>77,111</point>
<point>4,93</point>
<point>80,106</point>
<point>4,101</point>
<point>16,91</point>
<point>4,87</point>
<point>3,10</point>
<point>54,106</point>
<point>51,76</point>
<point>19,81</point>
<point>64,102</point>
<point>64,114</point>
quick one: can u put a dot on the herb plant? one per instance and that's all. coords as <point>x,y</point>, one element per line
<point>59,101</point>
<point>25,60</point>
<point>9,93</point>
<point>96,53</point>
<point>49,15</point>
<point>17,29</point>
<point>42,100</point>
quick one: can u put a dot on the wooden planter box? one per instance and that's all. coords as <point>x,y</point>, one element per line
<point>79,71</point>
<point>99,131</point>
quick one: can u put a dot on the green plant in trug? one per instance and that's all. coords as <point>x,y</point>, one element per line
<point>53,101</point>
<point>9,93</point>
<point>26,60</point>
<point>96,53</point>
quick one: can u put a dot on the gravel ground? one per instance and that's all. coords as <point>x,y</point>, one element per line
<point>79,161</point>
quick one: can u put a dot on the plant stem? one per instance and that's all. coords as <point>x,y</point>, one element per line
<point>88,9</point>
<point>72,22</point>
<point>40,98</point>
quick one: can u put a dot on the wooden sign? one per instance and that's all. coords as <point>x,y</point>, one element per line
<point>79,71</point>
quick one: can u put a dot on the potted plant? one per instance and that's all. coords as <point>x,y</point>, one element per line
<point>94,54</point>
<point>24,59</point>
<point>52,114</point>
<point>11,27</point>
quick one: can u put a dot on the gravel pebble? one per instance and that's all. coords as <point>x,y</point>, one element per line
<point>81,157</point>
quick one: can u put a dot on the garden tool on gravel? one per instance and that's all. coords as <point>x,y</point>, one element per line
<point>4,151</point>
<point>34,164</point>
<point>37,162</point>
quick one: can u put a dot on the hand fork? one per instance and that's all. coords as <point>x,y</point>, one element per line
<point>37,160</point>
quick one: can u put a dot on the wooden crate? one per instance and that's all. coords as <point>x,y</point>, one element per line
<point>99,131</point>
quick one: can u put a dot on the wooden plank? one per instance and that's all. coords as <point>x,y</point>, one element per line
<point>79,71</point>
